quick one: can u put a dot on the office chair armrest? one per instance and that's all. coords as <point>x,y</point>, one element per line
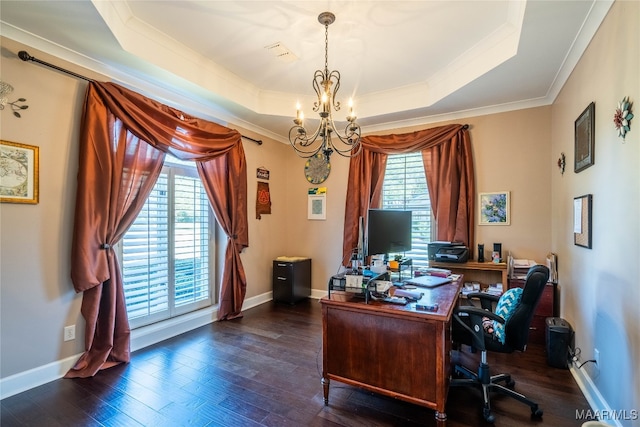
<point>474,326</point>
<point>487,301</point>
<point>477,312</point>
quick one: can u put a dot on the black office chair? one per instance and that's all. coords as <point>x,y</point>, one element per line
<point>469,328</point>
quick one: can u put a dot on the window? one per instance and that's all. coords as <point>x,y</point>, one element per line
<point>405,187</point>
<point>166,253</point>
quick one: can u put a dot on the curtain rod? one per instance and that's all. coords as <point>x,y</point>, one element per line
<point>26,57</point>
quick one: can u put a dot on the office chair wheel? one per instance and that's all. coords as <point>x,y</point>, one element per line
<point>488,416</point>
<point>536,412</point>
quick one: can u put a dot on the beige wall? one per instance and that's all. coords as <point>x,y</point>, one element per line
<point>600,286</point>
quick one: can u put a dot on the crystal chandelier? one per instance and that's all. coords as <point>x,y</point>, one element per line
<point>321,140</point>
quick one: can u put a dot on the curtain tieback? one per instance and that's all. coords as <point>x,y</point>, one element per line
<point>105,246</point>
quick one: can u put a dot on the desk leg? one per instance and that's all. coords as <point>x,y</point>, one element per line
<point>325,388</point>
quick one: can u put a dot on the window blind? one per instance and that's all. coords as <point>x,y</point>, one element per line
<point>405,187</point>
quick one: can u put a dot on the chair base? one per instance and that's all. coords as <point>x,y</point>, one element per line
<point>488,384</point>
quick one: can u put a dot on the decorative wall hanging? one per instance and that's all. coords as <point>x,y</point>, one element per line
<point>317,169</point>
<point>262,173</point>
<point>562,161</point>
<point>19,170</point>
<point>584,138</point>
<point>263,200</point>
<point>317,207</point>
<point>622,117</point>
<point>6,89</point>
<point>494,208</point>
<point>582,220</point>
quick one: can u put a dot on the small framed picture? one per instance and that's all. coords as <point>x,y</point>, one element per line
<point>584,138</point>
<point>494,208</point>
<point>317,203</point>
<point>582,220</point>
<point>19,173</point>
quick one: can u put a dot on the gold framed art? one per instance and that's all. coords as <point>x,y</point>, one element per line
<point>584,139</point>
<point>19,173</point>
<point>494,209</point>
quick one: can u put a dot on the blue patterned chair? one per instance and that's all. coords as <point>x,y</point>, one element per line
<point>503,330</point>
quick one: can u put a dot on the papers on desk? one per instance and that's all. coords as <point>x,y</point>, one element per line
<point>520,267</point>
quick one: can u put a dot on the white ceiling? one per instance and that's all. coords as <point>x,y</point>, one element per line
<point>404,62</point>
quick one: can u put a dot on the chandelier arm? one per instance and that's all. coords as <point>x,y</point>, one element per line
<point>335,74</point>
<point>303,140</point>
<point>350,138</point>
<point>318,78</point>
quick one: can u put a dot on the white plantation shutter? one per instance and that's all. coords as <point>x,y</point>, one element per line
<point>145,257</point>
<point>166,252</point>
<point>405,187</point>
<point>191,212</point>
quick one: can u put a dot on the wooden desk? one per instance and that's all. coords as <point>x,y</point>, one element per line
<point>391,349</point>
<point>485,273</point>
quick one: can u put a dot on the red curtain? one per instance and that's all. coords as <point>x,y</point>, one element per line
<point>124,137</point>
<point>448,162</point>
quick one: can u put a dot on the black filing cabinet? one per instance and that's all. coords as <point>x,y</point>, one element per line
<point>291,280</point>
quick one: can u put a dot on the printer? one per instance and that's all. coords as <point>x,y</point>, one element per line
<point>452,254</point>
<point>448,252</point>
<point>434,247</point>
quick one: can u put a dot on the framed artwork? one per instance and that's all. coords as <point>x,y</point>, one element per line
<point>19,173</point>
<point>585,128</point>
<point>582,220</point>
<point>317,203</point>
<point>494,208</point>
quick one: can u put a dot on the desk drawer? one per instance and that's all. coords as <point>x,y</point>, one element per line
<point>537,330</point>
<point>545,306</point>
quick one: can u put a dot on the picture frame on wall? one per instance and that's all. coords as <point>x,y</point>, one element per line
<point>494,208</point>
<point>582,220</point>
<point>317,203</point>
<point>19,173</point>
<point>585,138</point>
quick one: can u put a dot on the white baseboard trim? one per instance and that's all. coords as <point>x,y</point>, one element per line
<point>26,380</point>
<point>140,338</point>
<point>598,404</point>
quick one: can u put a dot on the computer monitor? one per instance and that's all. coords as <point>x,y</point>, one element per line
<point>388,231</point>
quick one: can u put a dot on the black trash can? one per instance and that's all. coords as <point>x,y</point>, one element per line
<point>560,342</point>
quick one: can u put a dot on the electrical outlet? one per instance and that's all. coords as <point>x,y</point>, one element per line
<point>70,333</point>
<point>596,357</point>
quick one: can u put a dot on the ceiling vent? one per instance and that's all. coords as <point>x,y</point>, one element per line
<point>281,52</point>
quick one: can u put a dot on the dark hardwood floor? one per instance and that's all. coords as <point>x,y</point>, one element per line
<point>264,370</point>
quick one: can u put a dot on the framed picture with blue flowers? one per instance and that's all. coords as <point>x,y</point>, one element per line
<point>494,208</point>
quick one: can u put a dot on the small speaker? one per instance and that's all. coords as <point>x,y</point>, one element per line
<point>480,252</point>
